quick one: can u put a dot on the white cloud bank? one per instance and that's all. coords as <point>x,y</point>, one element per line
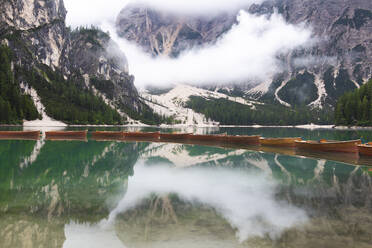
<point>92,12</point>
<point>87,12</point>
<point>247,52</point>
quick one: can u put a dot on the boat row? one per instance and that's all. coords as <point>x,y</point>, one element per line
<point>351,146</point>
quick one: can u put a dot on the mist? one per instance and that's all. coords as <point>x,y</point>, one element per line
<point>94,12</point>
<point>247,52</point>
<point>246,200</point>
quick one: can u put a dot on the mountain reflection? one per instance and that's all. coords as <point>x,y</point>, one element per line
<point>49,191</point>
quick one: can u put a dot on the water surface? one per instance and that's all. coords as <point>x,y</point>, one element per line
<point>140,194</point>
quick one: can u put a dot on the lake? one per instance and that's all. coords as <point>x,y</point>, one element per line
<point>139,194</point>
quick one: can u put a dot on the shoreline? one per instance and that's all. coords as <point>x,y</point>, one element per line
<point>181,126</point>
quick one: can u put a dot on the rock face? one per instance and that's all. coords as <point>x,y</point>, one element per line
<point>35,30</point>
<point>95,56</point>
<point>339,61</point>
<point>168,34</point>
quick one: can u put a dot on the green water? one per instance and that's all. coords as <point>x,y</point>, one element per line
<point>138,194</point>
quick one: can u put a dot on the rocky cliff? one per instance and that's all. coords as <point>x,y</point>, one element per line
<point>339,61</point>
<point>168,34</point>
<point>35,31</point>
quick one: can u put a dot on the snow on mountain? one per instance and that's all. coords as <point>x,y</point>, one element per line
<point>173,104</point>
<point>322,93</point>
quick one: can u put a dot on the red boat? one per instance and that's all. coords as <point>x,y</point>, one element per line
<point>107,135</point>
<point>365,149</point>
<point>244,139</point>
<point>350,146</point>
<point>142,135</point>
<point>174,136</point>
<point>208,138</point>
<point>66,134</point>
<point>34,135</point>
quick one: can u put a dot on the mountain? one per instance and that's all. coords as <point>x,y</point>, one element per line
<point>315,77</point>
<point>80,76</point>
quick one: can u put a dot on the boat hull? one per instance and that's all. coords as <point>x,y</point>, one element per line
<point>66,134</point>
<point>140,135</point>
<point>174,136</point>
<point>208,138</point>
<point>341,146</point>
<point>20,135</point>
<point>107,135</point>
<point>282,142</point>
<point>244,140</point>
<point>365,150</point>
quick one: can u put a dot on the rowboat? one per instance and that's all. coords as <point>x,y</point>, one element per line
<point>350,146</point>
<point>208,138</point>
<point>142,135</point>
<point>365,149</point>
<point>244,139</point>
<point>283,142</point>
<point>107,135</point>
<point>66,134</point>
<point>19,134</point>
<point>174,136</point>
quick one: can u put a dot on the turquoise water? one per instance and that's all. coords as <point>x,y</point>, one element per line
<point>140,194</point>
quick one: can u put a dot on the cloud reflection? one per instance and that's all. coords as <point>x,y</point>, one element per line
<point>246,200</point>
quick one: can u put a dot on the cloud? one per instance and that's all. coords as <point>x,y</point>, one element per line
<point>249,51</point>
<point>246,200</point>
<point>88,12</point>
<point>197,7</point>
<point>92,12</point>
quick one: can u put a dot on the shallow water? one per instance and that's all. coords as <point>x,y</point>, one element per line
<point>139,194</point>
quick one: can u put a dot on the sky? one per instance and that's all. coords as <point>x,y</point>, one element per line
<point>248,52</point>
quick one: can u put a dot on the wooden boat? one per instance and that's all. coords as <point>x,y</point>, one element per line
<point>244,139</point>
<point>66,134</point>
<point>208,138</point>
<point>174,136</point>
<point>350,146</point>
<point>365,149</point>
<point>19,134</point>
<point>283,142</point>
<point>142,135</point>
<point>107,135</point>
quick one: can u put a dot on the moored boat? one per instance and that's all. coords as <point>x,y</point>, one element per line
<point>283,142</point>
<point>350,146</point>
<point>66,134</point>
<point>174,136</point>
<point>208,137</point>
<point>142,135</point>
<point>365,149</point>
<point>107,135</point>
<point>19,134</point>
<point>244,139</point>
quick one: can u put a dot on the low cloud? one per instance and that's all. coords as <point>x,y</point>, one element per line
<point>92,12</point>
<point>249,51</point>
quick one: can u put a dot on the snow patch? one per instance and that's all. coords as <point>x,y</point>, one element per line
<point>172,104</point>
<point>277,96</point>
<point>321,93</point>
<point>46,121</point>
<point>260,89</point>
